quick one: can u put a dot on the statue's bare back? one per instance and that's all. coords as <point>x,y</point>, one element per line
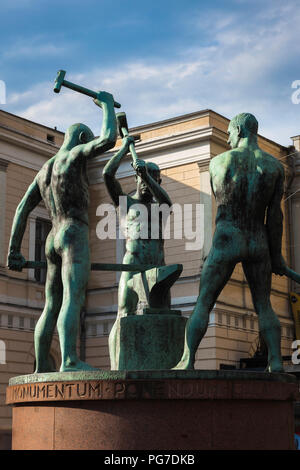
<point>63,185</point>
<point>248,186</point>
<point>243,182</point>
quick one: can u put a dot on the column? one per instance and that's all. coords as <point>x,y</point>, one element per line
<point>3,168</point>
<point>294,200</point>
<point>206,199</point>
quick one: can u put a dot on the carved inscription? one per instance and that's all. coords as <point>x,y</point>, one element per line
<point>54,391</point>
<point>136,390</point>
<point>199,389</point>
<point>87,390</point>
<point>117,390</point>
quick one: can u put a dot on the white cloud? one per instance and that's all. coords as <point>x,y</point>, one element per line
<point>32,48</point>
<point>239,71</point>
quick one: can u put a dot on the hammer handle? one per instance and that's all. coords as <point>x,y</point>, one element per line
<point>292,275</point>
<point>85,91</point>
<point>98,266</point>
<point>35,265</point>
<point>131,146</point>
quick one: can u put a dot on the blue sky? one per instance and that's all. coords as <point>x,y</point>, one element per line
<point>160,59</point>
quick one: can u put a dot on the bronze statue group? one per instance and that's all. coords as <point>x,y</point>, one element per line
<point>247,184</point>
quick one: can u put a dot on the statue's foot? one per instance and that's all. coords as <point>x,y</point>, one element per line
<point>276,366</point>
<point>76,366</point>
<point>43,368</point>
<point>184,365</point>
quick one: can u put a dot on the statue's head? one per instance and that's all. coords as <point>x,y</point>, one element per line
<point>78,134</point>
<point>241,126</point>
<point>154,171</point>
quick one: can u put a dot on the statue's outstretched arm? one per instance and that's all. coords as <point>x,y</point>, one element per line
<point>275,226</point>
<point>108,136</point>
<point>30,200</point>
<point>109,172</point>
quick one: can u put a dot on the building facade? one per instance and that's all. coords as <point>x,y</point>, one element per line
<point>182,147</point>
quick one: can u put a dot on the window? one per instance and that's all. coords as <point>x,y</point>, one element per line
<point>93,329</point>
<point>42,228</point>
<point>2,352</point>
<point>105,329</point>
<point>50,138</point>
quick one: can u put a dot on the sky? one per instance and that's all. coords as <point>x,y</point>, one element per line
<point>159,58</point>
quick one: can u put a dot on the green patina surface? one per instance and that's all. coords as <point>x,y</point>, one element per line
<point>151,341</point>
<point>62,185</point>
<point>152,375</point>
<point>248,186</point>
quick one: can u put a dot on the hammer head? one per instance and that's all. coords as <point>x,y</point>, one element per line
<point>59,81</point>
<point>122,124</point>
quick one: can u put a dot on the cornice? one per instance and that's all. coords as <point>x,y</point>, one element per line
<point>11,133</point>
<point>186,139</point>
<point>3,165</point>
<point>24,141</point>
<point>203,165</point>
<point>167,151</point>
<point>171,121</point>
<point>168,141</point>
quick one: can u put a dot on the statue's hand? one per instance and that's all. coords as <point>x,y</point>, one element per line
<point>16,261</point>
<point>103,97</point>
<point>278,265</point>
<point>140,167</point>
<point>126,141</point>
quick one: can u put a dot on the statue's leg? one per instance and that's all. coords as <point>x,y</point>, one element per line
<point>75,274</point>
<point>127,303</point>
<point>215,274</point>
<point>45,326</point>
<point>127,297</point>
<point>259,276</point>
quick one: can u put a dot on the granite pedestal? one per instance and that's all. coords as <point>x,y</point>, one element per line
<point>153,410</point>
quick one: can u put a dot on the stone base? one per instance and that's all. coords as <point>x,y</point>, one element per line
<point>153,410</point>
<point>147,342</point>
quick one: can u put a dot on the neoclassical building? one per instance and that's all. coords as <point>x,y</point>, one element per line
<point>182,147</point>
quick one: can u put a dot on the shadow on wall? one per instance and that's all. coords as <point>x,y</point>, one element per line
<point>5,440</point>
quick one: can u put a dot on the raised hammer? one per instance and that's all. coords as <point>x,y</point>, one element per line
<point>60,81</point>
<point>123,131</point>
